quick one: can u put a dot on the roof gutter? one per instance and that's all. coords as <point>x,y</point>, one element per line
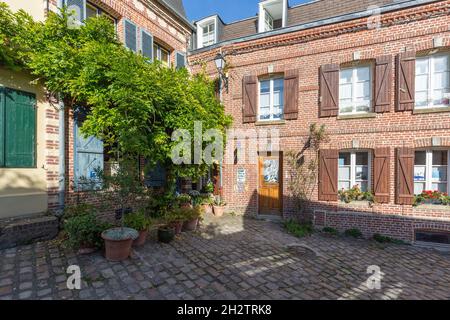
<point>315,24</point>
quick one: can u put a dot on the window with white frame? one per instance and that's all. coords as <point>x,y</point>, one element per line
<point>209,34</point>
<point>355,90</point>
<point>433,81</point>
<point>93,11</point>
<point>271,99</point>
<point>354,169</point>
<point>161,54</point>
<point>268,21</point>
<point>431,171</point>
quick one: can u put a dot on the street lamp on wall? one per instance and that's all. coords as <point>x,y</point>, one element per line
<point>220,65</point>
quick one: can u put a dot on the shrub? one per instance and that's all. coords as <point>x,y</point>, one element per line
<point>183,214</point>
<point>209,188</point>
<point>138,221</point>
<point>85,231</point>
<point>384,239</point>
<point>78,210</point>
<point>297,229</point>
<point>355,233</point>
<point>330,230</point>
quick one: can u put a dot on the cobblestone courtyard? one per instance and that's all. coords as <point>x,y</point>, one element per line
<point>231,258</point>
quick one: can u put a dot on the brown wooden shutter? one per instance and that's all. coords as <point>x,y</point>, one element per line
<point>250,98</point>
<point>405,176</point>
<point>328,175</point>
<point>383,83</point>
<point>381,174</point>
<point>406,74</point>
<point>329,90</point>
<point>291,95</point>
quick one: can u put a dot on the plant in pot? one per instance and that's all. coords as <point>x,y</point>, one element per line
<point>140,222</point>
<point>166,233</point>
<point>192,217</point>
<point>175,218</point>
<point>121,190</point>
<point>218,206</point>
<point>83,232</point>
<point>206,203</point>
<point>184,200</point>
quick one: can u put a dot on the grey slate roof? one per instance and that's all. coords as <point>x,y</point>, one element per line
<point>177,7</point>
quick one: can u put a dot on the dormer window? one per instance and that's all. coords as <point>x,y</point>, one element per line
<point>208,31</point>
<point>272,15</point>
<point>209,34</point>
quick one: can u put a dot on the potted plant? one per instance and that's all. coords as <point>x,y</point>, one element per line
<point>218,206</point>
<point>192,216</point>
<point>166,234</point>
<point>184,200</point>
<point>175,218</point>
<point>206,203</point>
<point>83,232</point>
<point>140,222</point>
<point>118,242</point>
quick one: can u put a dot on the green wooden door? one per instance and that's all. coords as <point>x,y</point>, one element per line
<point>2,127</point>
<point>19,129</point>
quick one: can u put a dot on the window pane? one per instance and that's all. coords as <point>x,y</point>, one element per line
<point>439,173</point>
<point>440,158</point>
<point>441,63</point>
<point>363,74</point>
<point>344,173</point>
<point>264,113</point>
<point>155,52</point>
<point>164,56</point>
<point>362,158</point>
<point>441,80</point>
<point>441,187</point>
<point>344,159</point>
<point>90,11</point>
<point>364,186</point>
<point>422,99</point>
<point>265,86</point>
<point>362,89</point>
<point>419,173</point>
<point>346,76</point>
<point>419,187</point>
<point>422,82</point>
<point>278,98</point>
<point>278,84</point>
<point>422,66</point>
<point>345,91</point>
<point>420,158</point>
<point>265,100</point>
<point>362,173</point>
<point>363,106</point>
<point>344,185</point>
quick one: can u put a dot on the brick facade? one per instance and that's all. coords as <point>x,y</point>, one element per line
<point>307,50</point>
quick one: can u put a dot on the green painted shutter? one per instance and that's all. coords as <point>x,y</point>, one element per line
<point>20,129</point>
<point>180,60</point>
<point>2,127</point>
<point>147,45</point>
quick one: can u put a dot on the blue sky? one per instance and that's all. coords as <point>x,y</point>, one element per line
<point>229,10</point>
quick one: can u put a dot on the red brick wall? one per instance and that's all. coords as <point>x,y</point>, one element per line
<point>307,50</point>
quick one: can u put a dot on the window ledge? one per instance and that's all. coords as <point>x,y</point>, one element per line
<point>431,110</point>
<point>432,207</point>
<point>270,123</point>
<point>357,116</point>
<point>362,203</point>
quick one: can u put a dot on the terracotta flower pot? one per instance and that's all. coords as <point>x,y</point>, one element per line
<point>118,242</point>
<point>218,211</point>
<point>140,241</point>
<point>178,226</point>
<point>190,225</point>
<point>207,208</point>
<point>166,234</point>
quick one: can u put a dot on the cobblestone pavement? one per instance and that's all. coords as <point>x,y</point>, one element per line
<point>231,258</point>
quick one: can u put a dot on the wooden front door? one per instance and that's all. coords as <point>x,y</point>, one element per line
<point>270,184</point>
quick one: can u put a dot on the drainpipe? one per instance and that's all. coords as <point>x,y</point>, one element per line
<point>62,156</point>
<point>221,162</point>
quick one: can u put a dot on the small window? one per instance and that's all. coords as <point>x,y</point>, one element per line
<point>209,35</point>
<point>268,20</point>
<point>433,81</point>
<point>431,171</point>
<point>354,169</point>
<point>355,90</point>
<point>433,237</point>
<point>93,11</point>
<point>271,99</point>
<point>161,54</point>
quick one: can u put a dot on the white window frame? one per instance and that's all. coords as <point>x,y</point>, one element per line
<point>271,94</point>
<point>353,83</point>
<point>268,21</point>
<point>262,17</point>
<point>352,166</point>
<point>210,35</point>
<point>431,80</point>
<point>213,20</point>
<point>429,169</point>
<point>159,48</point>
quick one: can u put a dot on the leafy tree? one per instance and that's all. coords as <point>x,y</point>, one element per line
<point>132,104</point>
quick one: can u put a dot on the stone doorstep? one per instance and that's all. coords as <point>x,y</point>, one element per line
<point>27,229</point>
